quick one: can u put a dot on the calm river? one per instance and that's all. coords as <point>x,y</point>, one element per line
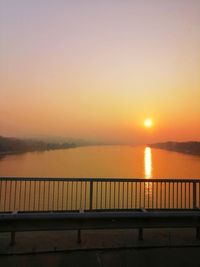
<point>102,161</point>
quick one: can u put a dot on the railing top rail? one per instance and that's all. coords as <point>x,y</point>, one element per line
<point>76,179</point>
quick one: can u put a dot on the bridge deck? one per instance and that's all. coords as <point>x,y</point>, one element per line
<point>20,222</point>
<point>35,204</point>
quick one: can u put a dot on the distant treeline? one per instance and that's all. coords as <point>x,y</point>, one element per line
<point>183,147</point>
<point>14,145</point>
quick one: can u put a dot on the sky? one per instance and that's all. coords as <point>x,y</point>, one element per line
<point>97,69</point>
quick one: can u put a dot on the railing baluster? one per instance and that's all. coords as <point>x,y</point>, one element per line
<point>144,197</point>
<point>58,194</point>
<point>181,194</point>
<point>91,195</point>
<point>101,183</point>
<point>177,195</point>
<point>136,196</point>
<point>118,198</point>
<point>127,195</point>
<point>76,196</point>
<point>131,195</point>
<point>67,196</point>
<point>157,184</point>
<point>152,195</point>
<point>24,195</point>
<point>10,196</point>
<point>84,195</point>
<point>173,195</point>
<point>80,203</point>
<point>29,201</point>
<point>194,195</point>
<point>72,191</point>
<point>140,195</point>
<point>39,196</point>
<point>15,195</point>
<point>97,191</point>
<point>105,187</point>
<point>110,196</point>
<point>114,194</point>
<point>185,206</point>
<point>34,198</point>
<point>44,195</point>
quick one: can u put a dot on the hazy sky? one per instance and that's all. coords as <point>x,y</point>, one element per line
<point>96,69</point>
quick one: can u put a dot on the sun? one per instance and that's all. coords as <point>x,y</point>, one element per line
<point>148,123</point>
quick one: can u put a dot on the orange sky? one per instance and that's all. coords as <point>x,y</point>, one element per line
<point>96,70</point>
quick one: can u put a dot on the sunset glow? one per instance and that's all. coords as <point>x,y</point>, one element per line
<point>95,69</point>
<point>148,123</point>
<point>148,162</point>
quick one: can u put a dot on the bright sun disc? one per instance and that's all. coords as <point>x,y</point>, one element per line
<point>148,123</point>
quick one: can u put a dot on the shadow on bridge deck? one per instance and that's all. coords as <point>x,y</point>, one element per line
<point>161,247</point>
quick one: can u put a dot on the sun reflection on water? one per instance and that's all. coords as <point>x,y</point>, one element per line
<point>147,163</point>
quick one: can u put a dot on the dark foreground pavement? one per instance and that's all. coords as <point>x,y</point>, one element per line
<point>161,257</point>
<point>112,248</point>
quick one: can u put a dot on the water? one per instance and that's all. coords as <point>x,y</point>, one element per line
<point>102,161</point>
<point>97,162</point>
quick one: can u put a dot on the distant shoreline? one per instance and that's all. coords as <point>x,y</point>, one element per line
<point>190,148</point>
<point>30,151</point>
<point>10,146</point>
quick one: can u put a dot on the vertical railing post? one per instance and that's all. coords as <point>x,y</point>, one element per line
<point>91,194</point>
<point>140,234</point>
<point>194,195</point>
<point>12,240</point>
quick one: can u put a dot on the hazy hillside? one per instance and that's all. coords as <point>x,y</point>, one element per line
<point>183,147</point>
<point>14,145</point>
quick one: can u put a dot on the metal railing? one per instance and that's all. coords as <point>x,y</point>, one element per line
<point>72,194</point>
